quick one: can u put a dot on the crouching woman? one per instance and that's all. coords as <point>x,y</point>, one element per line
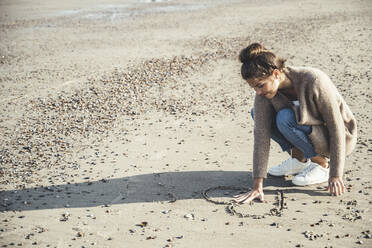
<point>300,109</point>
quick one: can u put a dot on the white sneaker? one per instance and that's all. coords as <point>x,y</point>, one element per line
<point>312,174</point>
<point>289,167</point>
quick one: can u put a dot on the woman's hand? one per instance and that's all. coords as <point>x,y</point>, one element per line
<point>256,192</point>
<point>336,186</point>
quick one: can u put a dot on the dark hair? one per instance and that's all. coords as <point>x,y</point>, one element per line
<point>258,62</point>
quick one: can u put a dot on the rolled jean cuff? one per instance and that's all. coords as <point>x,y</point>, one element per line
<point>285,147</point>
<point>310,154</point>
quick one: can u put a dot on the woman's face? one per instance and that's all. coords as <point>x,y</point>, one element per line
<point>266,87</point>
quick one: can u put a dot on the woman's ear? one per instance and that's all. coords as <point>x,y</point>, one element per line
<point>276,73</point>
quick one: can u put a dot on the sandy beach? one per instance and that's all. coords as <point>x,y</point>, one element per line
<point>117,116</point>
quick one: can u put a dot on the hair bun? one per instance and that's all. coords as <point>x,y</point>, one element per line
<point>251,52</point>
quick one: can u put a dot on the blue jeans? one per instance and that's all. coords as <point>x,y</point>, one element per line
<point>288,134</point>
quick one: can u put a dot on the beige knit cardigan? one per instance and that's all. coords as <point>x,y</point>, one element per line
<point>334,128</point>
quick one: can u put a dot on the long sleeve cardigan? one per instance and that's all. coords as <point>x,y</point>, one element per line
<point>334,128</point>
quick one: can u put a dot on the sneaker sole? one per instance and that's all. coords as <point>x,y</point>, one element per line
<point>308,183</point>
<point>283,175</point>
<point>273,175</point>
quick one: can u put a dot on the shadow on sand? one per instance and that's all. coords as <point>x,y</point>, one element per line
<point>155,187</point>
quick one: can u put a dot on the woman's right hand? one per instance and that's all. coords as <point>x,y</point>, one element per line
<point>256,192</point>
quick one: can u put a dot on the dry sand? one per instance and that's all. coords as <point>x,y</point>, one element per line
<point>117,115</point>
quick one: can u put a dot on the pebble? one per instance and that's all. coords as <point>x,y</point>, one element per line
<point>311,235</point>
<point>143,224</point>
<point>65,216</point>
<point>189,216</point>
<point>277,225</point>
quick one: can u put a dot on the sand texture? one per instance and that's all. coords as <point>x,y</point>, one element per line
<point>116,116</point>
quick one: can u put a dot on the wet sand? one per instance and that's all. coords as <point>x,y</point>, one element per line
<point>116,116</point>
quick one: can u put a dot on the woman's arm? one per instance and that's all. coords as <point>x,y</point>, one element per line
<point>263,117</point>
<point>328,104</point>
<point>329,108</point>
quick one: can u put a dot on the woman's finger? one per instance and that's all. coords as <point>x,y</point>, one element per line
<point>262,197</point>
<point>339,188</point>
<point>239,200</point>
<point>333,189</point>
<point>342,187</point>
<point>242,194</point>
<point>242,197</point>
<point>250,198</point>
<point>243,200</point>
<point>239,195</point>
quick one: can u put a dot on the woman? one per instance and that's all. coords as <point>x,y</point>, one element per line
<point>300,109</point>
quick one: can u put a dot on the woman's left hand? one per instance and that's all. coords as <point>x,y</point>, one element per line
<point>336,186</point>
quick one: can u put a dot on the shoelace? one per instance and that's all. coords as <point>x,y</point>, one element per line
<point>285,162</point>
<point>307,169</point>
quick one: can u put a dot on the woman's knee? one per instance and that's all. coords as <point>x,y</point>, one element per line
<point>285,118</point>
